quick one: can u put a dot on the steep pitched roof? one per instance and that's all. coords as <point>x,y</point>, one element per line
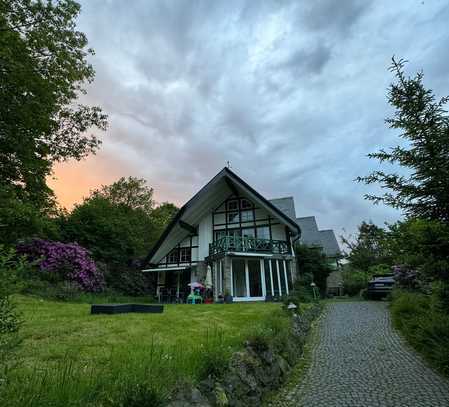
<point>286,205</point>
<point>312,236</point>
<point>209,197</point>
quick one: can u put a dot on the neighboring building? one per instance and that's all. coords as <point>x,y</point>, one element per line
<point>230,237</point>
<point>326,240</point>
<point>234,240</point>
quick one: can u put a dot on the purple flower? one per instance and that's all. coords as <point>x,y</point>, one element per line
<point>69,261</point>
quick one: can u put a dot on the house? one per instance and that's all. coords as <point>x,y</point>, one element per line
<point>325,240</point>
<point>231,238</point>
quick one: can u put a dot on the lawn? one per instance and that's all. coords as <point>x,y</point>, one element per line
<point>67,354</point>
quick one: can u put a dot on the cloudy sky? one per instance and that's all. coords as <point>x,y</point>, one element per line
<point>291,93</point>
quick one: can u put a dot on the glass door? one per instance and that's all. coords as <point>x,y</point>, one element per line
<point>248,282</point>
<point>255,278</point>
<point>239,278</point>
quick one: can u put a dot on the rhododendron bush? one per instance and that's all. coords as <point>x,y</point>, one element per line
<point>64,262</point>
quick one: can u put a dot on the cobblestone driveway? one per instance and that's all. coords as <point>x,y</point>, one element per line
<point>359,360</point>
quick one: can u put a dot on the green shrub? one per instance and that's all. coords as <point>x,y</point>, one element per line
<point>354,281</point>
<point>424,324</point>
<point>11,271</point>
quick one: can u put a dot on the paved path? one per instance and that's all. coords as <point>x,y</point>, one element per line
<point>359,361</point>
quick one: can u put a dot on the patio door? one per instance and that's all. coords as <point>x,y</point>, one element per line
<point>248,280</point>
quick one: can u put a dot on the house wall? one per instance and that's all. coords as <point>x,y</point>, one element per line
<point>205,236</point>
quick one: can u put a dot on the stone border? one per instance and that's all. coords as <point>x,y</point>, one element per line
<point>252,373</point>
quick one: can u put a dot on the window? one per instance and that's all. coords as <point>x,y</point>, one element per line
<point>233,205</point>
<point>220,234</point>
<point>245,204</point>
<point>234,232</point>
<point>247,216</point>
<point>233,217</point>
<point>184,255</point>
<point>173,256</point>
<point>263,232</point>
<point>248,232</point>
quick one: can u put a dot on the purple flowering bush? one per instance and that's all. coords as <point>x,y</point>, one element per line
<point>67,262</point>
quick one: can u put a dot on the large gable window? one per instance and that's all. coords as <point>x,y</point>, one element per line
<point>185,255</point>
<point>233,205</point>
<point>233,217</point>
<point>245,204</point>
<point>173,256</point>
<point>247,216</point>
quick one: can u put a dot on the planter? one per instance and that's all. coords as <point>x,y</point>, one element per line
<point>228,299</point>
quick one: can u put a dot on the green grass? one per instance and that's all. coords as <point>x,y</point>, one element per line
<point>70,357</point>
<point>424,324</point>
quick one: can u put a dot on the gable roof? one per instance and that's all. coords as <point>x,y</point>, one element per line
<point>312,236</point>
<point>209,198</point>
<point>286,205</point>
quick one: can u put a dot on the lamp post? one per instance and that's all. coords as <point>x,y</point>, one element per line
<point>314,290</point>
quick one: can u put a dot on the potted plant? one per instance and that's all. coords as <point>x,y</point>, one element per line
<point>228,298</point>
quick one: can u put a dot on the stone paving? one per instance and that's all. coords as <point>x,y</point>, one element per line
<point>358,360</point>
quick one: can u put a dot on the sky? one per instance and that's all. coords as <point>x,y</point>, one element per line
<point>291,93</point>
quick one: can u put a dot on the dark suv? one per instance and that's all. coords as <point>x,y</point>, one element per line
<point>380,286</point>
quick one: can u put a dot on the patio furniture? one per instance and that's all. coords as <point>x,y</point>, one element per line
<point>194,299</point>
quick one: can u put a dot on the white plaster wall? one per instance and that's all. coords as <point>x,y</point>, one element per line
<point>205,236</point>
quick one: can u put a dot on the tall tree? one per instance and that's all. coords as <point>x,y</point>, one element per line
<point>130,192</point>
<point>368,248</point>
<point>313,262</point>
<point>43,70</point>
<point>422,190</point>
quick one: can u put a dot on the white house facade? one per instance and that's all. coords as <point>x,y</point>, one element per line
<point>230,238</point>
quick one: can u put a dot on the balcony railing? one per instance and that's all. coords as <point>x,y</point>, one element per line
<point>248,245</point>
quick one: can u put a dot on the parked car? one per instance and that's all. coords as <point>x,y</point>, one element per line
<point>380,286</point>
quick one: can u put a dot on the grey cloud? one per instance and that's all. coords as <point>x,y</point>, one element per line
<point>305,61</point>
<point>331,15</point>
<point>292,93</point>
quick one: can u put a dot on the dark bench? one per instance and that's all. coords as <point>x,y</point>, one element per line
<point>124,308</point>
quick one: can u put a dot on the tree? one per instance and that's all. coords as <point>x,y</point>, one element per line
<point>20,219</point>
<point>368,249</point>
<point>118,223</point>
<point>312,262</point>
<point>43,70</point>
<point>421,245</point>
<point>130,192</point>
<point>161,217</point>
<point>424,191</point>
<point>114,234</point>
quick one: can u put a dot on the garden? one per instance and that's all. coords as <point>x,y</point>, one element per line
<point>69,357</point>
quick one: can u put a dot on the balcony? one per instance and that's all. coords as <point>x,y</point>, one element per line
<point>248,245</point>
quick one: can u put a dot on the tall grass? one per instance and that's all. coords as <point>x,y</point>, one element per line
<point>140,375</point>
<point>425,326</point>
<point>136,376</point>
